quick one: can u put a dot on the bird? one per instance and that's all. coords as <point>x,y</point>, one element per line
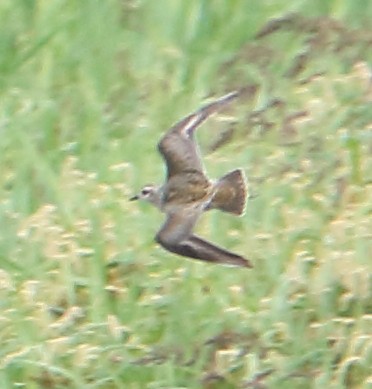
<point>187,191</point>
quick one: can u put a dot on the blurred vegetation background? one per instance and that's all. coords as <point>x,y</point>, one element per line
<point>87,299</point>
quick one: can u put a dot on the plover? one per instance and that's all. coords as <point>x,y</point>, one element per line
<point>187,192</point>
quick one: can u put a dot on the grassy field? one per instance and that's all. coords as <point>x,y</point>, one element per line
<point>87,299</point>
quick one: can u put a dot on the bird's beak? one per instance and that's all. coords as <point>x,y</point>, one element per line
<point>134,198</point>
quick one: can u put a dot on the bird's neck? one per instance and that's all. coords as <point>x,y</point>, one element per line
<point>157,198</point>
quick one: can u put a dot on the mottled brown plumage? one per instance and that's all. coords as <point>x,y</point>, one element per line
<point>187,192</point>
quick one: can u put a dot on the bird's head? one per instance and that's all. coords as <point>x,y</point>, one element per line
<point>149,193</point>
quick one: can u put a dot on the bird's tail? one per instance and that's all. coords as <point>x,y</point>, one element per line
<point>230,193</point>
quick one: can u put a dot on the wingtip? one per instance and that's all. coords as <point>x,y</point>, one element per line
<point>246,263</point>
<point>246,91</point>
<point>240,262</point>
<point>221,101</point>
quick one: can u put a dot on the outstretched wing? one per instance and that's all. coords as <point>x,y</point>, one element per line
<point>178,226</point>
<point>178,146</point>
<point>176,236</point>
<point>198,248</point>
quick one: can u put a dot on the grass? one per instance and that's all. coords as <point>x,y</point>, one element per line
<point>87,299</point>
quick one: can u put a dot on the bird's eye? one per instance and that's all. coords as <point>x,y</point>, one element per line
<point>145,192</point>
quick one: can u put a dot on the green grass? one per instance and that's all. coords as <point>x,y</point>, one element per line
<point>87,299</point>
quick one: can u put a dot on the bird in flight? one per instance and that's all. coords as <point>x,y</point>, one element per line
<point>187,192</point>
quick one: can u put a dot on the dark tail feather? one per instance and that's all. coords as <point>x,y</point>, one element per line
<point>231,193</point>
